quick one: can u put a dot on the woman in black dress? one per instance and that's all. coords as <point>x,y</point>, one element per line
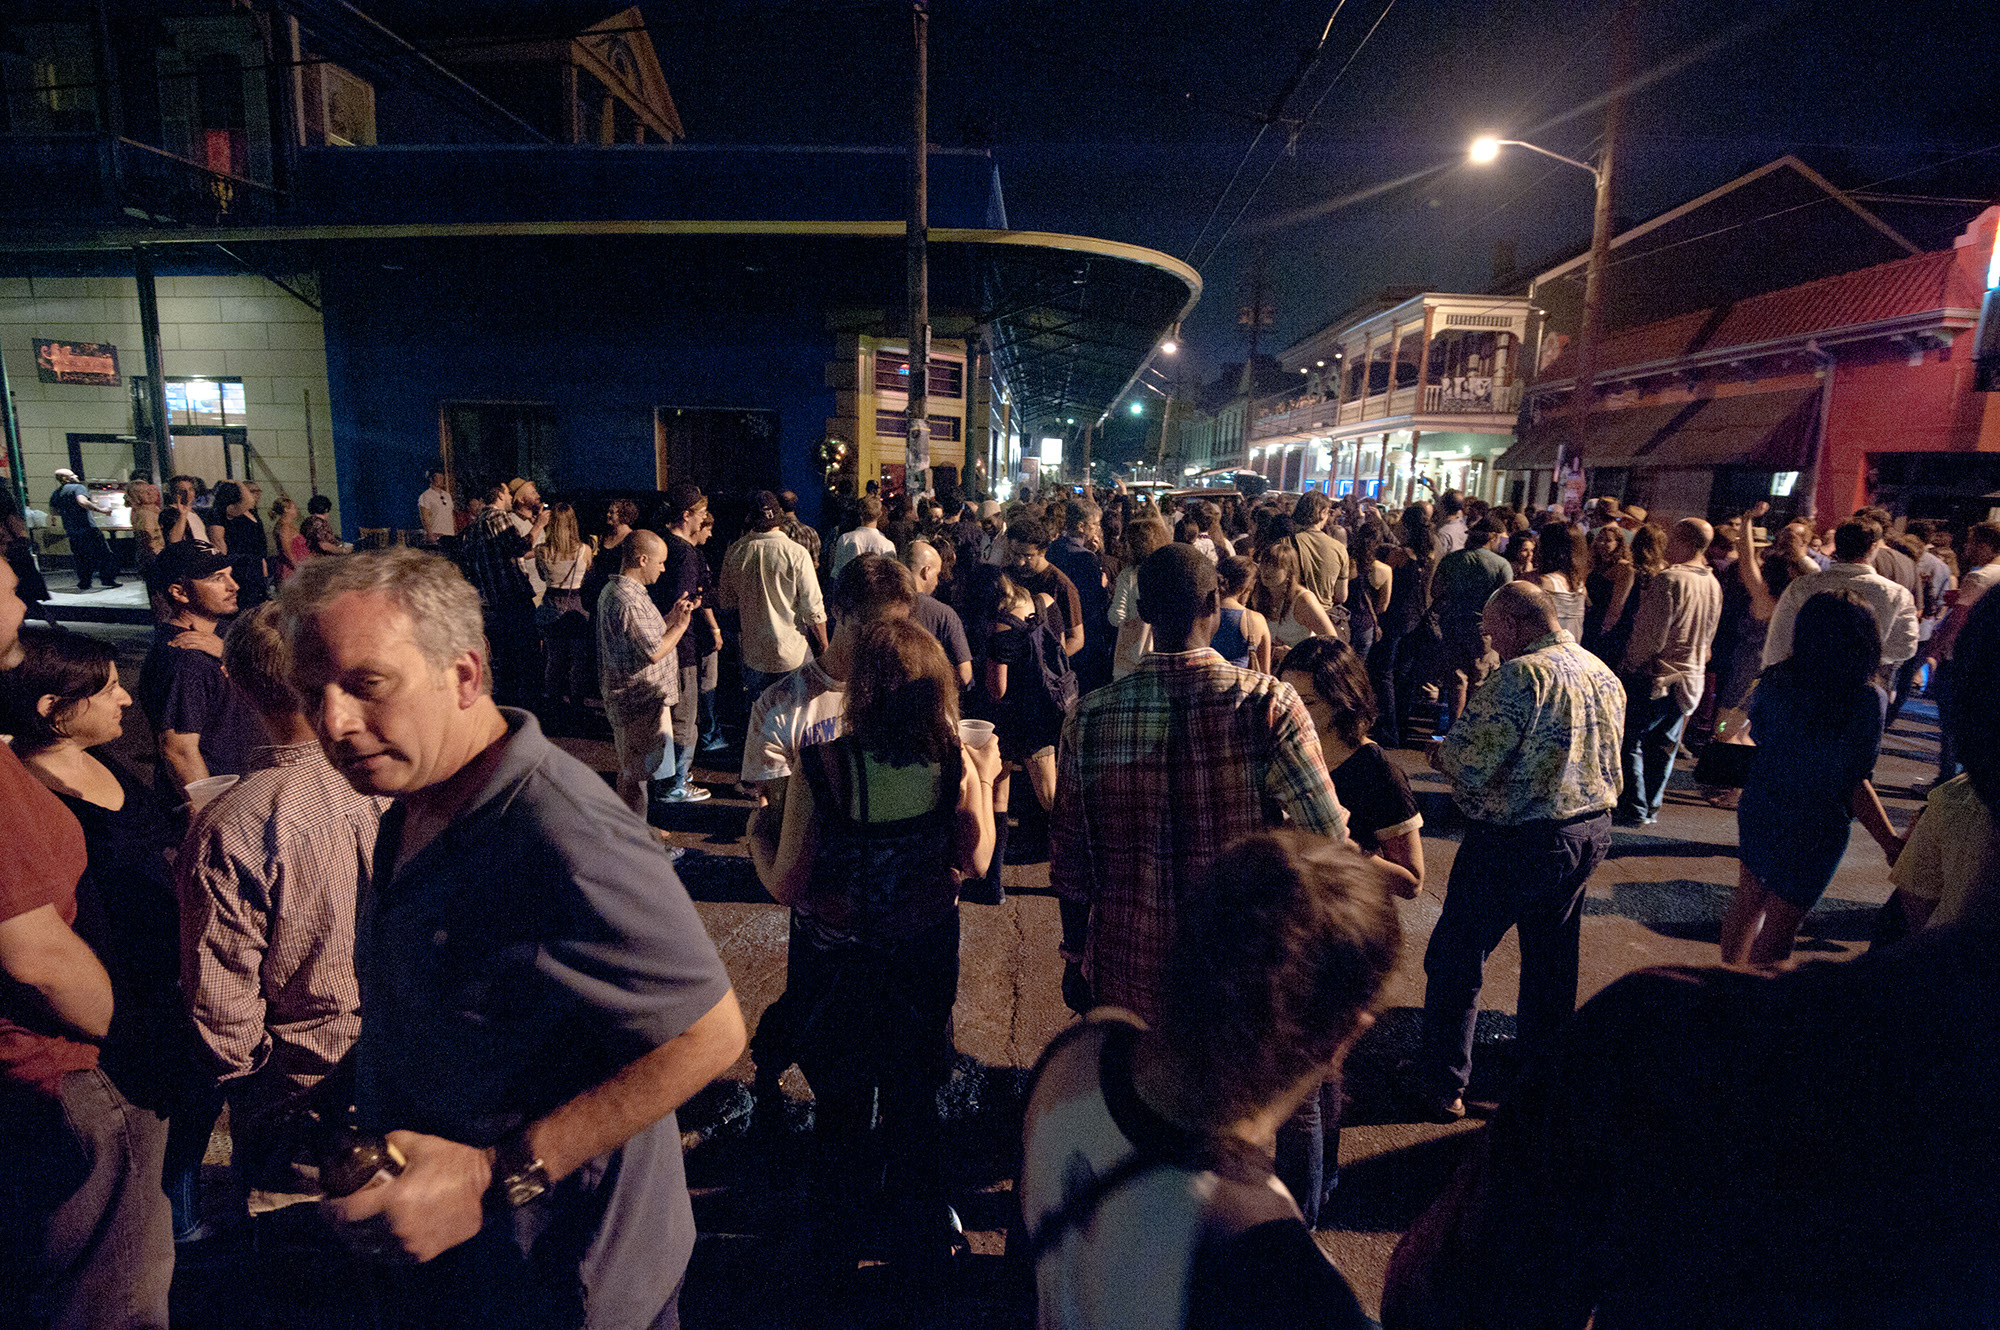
<point>245,541</point>
<point>60,703</point>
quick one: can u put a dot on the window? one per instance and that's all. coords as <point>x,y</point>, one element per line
<point>896,425</point>
<point>347,108</point>
<point>1409,356</point>
<point>48,75</point>
<point>195,401</point>
<point>892,375</point>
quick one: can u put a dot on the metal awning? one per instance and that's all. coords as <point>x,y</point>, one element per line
<point>1074,319</point>
<point>1766,431</point>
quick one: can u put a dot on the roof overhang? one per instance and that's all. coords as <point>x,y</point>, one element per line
<point>1073,320</point>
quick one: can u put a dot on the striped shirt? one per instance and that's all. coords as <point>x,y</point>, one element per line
<point>1158,774</point>
<point>267,882</point>
<point>490,554</point>
<point>629,629</point>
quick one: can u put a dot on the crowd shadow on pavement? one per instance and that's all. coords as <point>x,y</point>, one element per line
<point>763,1218</point>
<point>1692,911</point>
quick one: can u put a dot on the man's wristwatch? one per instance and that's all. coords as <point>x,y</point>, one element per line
<point>518,1175</point>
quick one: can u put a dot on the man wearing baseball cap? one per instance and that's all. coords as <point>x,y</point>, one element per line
<point>205,725</point>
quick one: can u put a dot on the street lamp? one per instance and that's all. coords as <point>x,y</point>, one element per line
<point>1170,345</point>
<point>1485,149</point>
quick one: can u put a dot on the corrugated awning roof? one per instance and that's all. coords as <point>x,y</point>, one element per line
<point>1767,431</point>
<point>1905,288</point>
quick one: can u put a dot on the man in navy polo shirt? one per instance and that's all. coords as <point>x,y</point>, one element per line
<point>539,993</point>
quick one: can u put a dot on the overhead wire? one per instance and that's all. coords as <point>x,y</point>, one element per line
<point>1223,237</point>
<point>1278,104</point>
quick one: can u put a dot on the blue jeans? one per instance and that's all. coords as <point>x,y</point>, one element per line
<point>1531,878</point>
<point>756,681</point>
<point>1652,738</point>
<point>1309,1152</point>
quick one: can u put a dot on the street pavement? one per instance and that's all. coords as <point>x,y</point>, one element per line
<point>1657,900</point>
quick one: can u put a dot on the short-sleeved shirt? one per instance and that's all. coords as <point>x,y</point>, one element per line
<point>686,574</point>
<point>538,945</point>
<point>186,691</point>
<point>1464,581</point>
<point>942,622</point>
<point>434,507</point>
<point>1377,797</point>
<point>1067,612</point>
<point>1953,852</point>
<point>629,629</point>
<point>42,857</point>
<point>853,544</point>
<point>1175,1245</point>
<point>806,707</point>
<point>71,504</point>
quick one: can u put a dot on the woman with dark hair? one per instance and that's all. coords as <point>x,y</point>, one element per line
<point>881,825</point>
<point>1243,638</point>
<point>1816,718</point>
<point>1371,588</point>
<point>318,530</point>
<point>62,702</point>
<point>235,507</point>
<point>1293,612</point>
<point>1382,814</point>
<point>1629,579</point>
<point>1562,565</point>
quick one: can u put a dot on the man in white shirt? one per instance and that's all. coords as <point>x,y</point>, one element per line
<point>1451,524</point>
<point>1854,546</point>
<point>434,510</point>
<point>768,579</point>
<point>864,539</point>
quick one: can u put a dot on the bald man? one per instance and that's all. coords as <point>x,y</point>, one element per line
<point>1664,667</point>
<point>1533,763</point>
<point>637,669</point>
<point>938,619</point>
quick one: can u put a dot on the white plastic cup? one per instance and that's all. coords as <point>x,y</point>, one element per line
<point>203,792</point>
<point>975,733</point>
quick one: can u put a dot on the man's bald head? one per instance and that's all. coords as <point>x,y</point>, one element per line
<point>924,563</point>
<point>1517,615</point>
<point>1690,540</point>
<point>645,557</point>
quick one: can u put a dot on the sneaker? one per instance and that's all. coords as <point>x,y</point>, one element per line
<point>715,745</point>
<point>685,794</point>
<point>676,853</point>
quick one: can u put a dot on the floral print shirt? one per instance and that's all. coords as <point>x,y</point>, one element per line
<point>1540,738</point>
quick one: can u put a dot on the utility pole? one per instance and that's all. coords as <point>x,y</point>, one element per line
<point>159,441</point>
<point>917,443</point>
<point>1590,332</point>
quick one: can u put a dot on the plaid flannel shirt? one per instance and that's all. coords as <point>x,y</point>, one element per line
<point>490,555</point>
<point>1158,774</point>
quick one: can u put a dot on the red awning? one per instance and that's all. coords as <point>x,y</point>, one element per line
<point>1764,431</point>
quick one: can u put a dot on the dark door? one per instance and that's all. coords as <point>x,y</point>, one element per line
<point>491,443</point>
<point>725,451</point>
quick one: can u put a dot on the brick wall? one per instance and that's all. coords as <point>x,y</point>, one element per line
<point>237,326</point>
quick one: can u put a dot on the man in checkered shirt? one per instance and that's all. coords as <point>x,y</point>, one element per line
<point>1158,774</point>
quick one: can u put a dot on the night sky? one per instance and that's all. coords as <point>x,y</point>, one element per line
<point>1125,120</point>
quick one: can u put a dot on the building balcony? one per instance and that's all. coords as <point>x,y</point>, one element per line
<point>101,179</point>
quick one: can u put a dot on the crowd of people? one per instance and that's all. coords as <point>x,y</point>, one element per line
<point>363,895</point>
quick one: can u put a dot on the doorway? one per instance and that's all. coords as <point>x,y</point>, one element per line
<point>729,451</point>
<point>491,443</point>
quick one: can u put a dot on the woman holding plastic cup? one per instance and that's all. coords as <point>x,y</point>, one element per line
<point>880,827</point>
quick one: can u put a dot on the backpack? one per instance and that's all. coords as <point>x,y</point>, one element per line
<point>1052,668</point>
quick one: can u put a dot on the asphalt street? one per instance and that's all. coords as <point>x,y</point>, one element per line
<point>1657,900</point>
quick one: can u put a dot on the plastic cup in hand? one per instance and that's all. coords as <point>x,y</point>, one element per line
<point>975,733</point>
<point>201,792</point>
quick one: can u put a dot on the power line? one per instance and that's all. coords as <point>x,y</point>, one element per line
<point>1305,67</point>
<point>1216,248</point>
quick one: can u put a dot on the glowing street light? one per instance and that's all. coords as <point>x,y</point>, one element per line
<point>1485,149</point>
<point>1138,408</point>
